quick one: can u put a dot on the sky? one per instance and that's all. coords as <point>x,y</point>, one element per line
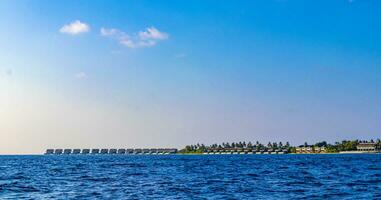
<point>135,74</point>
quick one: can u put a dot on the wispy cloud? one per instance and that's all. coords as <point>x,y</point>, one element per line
<point>75,28</point>
<point>81,76</point>
<point>152,34</point>
<point>146,38</point>
<point>112,32</point>
<point>181,55</point>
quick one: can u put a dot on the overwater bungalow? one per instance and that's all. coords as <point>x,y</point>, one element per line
<point>160,151</point>
<point>94,151</point>
<point>67,151</point>
<point>145,151</point>
<point>85,151</point>
<point>153,151</point>
<point>58,151</point>
<point>111,151</point>
<point>49,151</point>
<point>76,151</point>
<point>104,151</point>
<point>170,151</point>
<point>121,151</point>
<point>129,151</point>
<point>138,151</point>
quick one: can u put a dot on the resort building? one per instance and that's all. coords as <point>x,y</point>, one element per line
<point>320,150</point>
<point>368,147</point>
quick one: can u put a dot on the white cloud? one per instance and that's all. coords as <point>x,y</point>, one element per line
<point>146,38</point>
<point>81,76</point>
<point>110,32</point>
<point>74,28</point>
<point>152,34</point>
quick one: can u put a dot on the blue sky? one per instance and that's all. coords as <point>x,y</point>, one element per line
<point>170,73</point>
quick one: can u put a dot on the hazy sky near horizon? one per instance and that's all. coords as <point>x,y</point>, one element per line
<point>84,74</point>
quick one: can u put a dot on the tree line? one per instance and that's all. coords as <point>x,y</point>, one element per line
<point>345,145</point>
<point>200,148</point>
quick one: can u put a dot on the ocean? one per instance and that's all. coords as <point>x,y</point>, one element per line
<point>328,176</point>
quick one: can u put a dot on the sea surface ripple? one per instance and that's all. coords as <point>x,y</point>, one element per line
<point>191,177</point>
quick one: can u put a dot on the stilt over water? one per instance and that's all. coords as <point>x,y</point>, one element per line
<point>110,151</point>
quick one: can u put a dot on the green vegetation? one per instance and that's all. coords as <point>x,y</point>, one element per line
<point>345,145</point>
<point>348,145</point>
<point>201,148</point>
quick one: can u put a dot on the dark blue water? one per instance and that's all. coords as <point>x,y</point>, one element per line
<point>191,177</point>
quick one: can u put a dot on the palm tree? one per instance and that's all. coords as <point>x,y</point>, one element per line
<point>240,144</point>
<point>258,147</point>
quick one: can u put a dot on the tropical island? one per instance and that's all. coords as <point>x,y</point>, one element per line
<point>345,146</point>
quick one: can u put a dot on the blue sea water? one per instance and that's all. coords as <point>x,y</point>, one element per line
<point>191,177</point>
